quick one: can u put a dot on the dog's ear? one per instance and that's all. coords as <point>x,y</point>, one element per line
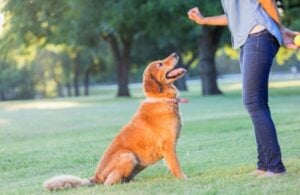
<point>152,84</point>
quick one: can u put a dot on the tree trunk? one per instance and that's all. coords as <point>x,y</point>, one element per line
<point>123,78</point>
<point>123,69</point>
<point>69,89</point>
<point>2,96</point>
<point>76,77</point>
<point>181,83</point>
<point>207,49</point>
<point>86,82</point>
<point>123,62</point>
<point>59,89</point>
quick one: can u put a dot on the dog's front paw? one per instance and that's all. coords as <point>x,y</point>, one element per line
<point>182,176</point>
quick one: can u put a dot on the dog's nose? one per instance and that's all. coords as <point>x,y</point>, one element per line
<point>174,55</point>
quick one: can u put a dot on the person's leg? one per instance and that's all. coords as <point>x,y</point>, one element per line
<point>257,57</point>
<point>261,163</point>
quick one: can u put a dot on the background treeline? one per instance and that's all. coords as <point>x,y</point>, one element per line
<point>61,47</point>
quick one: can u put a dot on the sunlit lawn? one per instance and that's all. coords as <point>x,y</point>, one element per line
<point>41,139</point>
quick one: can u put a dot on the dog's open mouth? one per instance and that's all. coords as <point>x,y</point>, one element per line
<point>175,73</point>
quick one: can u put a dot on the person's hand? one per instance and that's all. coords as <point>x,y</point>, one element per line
<point>195,15</point>
<point>288,37</point>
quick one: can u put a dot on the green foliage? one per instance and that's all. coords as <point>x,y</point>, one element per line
<point>34,19</point>
<point>291,14</point>
<point>70,32</point>
<point>48,38</point>
<point>10,79</point>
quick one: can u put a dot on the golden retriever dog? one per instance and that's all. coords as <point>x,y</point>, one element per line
<point>150,136</point>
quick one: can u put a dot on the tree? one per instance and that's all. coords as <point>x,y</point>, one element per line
<point>208,45</point>
<point>79,25</point>
<point>93,33</point>
<point>120,26</point>
<point>209,42</point>
<point>73,23</point>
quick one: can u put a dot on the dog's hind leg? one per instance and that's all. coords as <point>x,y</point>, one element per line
<point>122,167</point>
<point>137,169</point>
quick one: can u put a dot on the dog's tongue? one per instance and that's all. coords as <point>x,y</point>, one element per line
<point>176,72</point>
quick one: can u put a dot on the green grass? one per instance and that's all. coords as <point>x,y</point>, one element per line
<point>43,138</point>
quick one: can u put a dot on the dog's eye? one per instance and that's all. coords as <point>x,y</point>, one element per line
<point>159,65</point>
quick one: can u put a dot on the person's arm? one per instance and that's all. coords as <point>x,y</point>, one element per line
<point>287,35</point>
<point>271,8</point>
<point>195,15</point>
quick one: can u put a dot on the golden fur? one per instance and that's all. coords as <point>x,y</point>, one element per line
<point>150,136</point>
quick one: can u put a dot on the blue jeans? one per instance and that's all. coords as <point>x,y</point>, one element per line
<point>256,57</point>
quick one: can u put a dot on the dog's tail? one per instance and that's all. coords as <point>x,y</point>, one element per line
<point>65,181</point>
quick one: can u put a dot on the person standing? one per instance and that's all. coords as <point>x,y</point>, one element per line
<point>256,29</point>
